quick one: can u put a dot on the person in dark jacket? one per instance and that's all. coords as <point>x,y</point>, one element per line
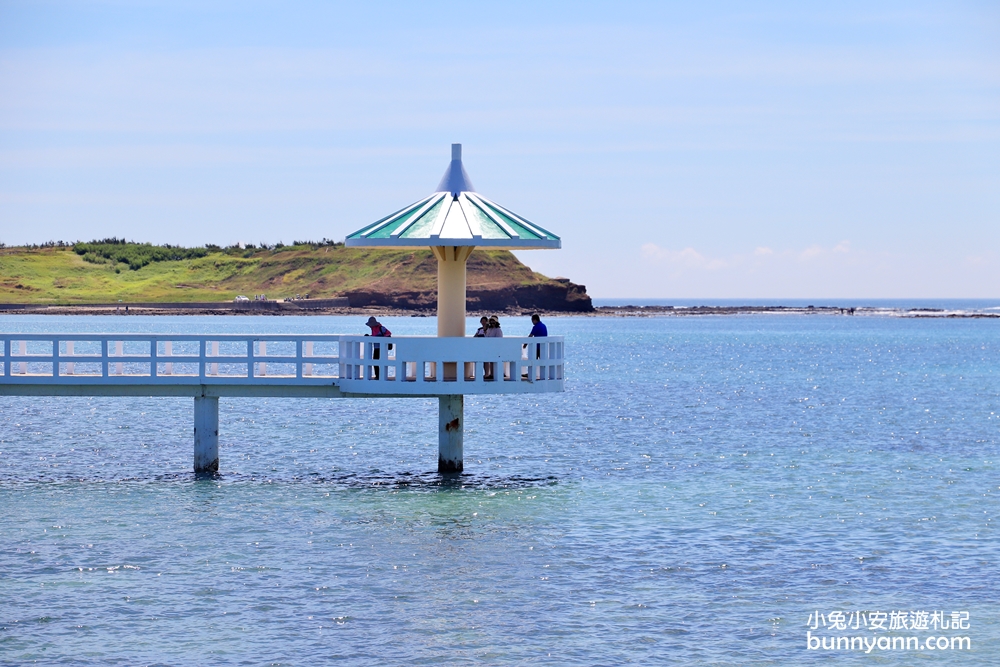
<point>484,324</point>
<point>378,331</point>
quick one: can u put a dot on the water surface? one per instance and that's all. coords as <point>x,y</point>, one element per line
<point>701,488</point>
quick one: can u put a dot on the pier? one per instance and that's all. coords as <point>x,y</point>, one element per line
<point>210,367</point>
<point>452,221</point>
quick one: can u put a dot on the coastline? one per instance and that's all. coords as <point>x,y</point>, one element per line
<point>298,309</point>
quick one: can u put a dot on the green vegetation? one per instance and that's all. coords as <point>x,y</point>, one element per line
<point>135,255</point>
<point>109,270</point>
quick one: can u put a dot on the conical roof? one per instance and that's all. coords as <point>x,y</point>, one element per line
<point>455,215</point>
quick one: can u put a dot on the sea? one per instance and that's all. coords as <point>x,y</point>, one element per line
<point>760,489</point>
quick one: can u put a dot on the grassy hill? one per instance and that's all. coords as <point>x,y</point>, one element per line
<point>106,272</point>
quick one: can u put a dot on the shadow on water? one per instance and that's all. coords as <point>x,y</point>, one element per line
<point>374,479</point>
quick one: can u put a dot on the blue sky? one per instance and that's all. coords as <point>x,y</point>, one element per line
<point>697,150</point>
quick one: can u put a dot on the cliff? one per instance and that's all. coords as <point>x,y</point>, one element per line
<point>397,278</point>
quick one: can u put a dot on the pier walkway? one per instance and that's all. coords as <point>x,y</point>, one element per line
<point>207,367</point>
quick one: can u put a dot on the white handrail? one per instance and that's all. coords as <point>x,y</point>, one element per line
<point>41,359</point>
<point>403,365</point>
<point>412,364</point>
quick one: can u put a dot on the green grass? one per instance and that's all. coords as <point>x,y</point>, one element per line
<point>60,275</point>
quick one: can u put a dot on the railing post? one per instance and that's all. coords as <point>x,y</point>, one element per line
<point>6,357</point>
<point>23,349</point>
<point>105,371</point>
<point>153,370</point>
<point>201,358</point>
<point>547,369</point>
<point>55,357</point>
<point>263,353</point>
<point>168,351</point>
<point>250,362</point>
<point>298,358</point>
<point>70,351</point>
<point>215,353</point>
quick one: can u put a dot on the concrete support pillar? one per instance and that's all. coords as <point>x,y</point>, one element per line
<point>206,434</point>
<point>451,423</point>
<point>451,289</point>
<point>451,323</point>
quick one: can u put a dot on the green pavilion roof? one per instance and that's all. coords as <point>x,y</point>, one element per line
<point>455,215</point>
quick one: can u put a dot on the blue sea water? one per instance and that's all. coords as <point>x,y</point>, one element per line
<point>701,490</point>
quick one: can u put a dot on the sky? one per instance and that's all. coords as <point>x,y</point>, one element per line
<point>681,150</point>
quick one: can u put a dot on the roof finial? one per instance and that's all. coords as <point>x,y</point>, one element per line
<point>455,179</point>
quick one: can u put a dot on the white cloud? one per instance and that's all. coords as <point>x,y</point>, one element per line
<point>812,270</point>
<point>688,258</point>
<point>761,258</point>
<point>979,260</point>
<point>811,252</point>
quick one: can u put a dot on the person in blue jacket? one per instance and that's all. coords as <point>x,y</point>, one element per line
<point>538,330</point>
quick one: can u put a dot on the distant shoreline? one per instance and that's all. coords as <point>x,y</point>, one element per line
<point>847,311</point>
<point>302,308</point>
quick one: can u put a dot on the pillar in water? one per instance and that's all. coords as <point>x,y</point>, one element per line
<point>206,434</point>
<point>450,426</point>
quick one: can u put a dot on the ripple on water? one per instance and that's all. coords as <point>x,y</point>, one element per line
<point>701,487</point>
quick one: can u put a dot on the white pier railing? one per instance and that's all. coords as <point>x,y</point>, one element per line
<point>168,359</point>
<point>438,366</point>
<point>402,366</point>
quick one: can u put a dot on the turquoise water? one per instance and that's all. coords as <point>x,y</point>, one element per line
<point>700,489</point>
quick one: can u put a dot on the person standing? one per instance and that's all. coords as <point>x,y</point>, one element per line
<point>470,366</point>
<point>538,329</point>
<point>484,325</point>
<point>494,331</point>
<point>378,331</point>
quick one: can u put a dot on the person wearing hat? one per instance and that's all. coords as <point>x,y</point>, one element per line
<point>377,328</point>
<point>494,331</point>
<point>378,331</point>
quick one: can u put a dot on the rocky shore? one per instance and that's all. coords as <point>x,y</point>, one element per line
<point>559,296</point>
<point>682,311</point>
<point>398,307</point>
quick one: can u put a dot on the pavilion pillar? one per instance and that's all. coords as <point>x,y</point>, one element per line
<point>451,323</point>
<point>451,289</point>
<point>206,434</point>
